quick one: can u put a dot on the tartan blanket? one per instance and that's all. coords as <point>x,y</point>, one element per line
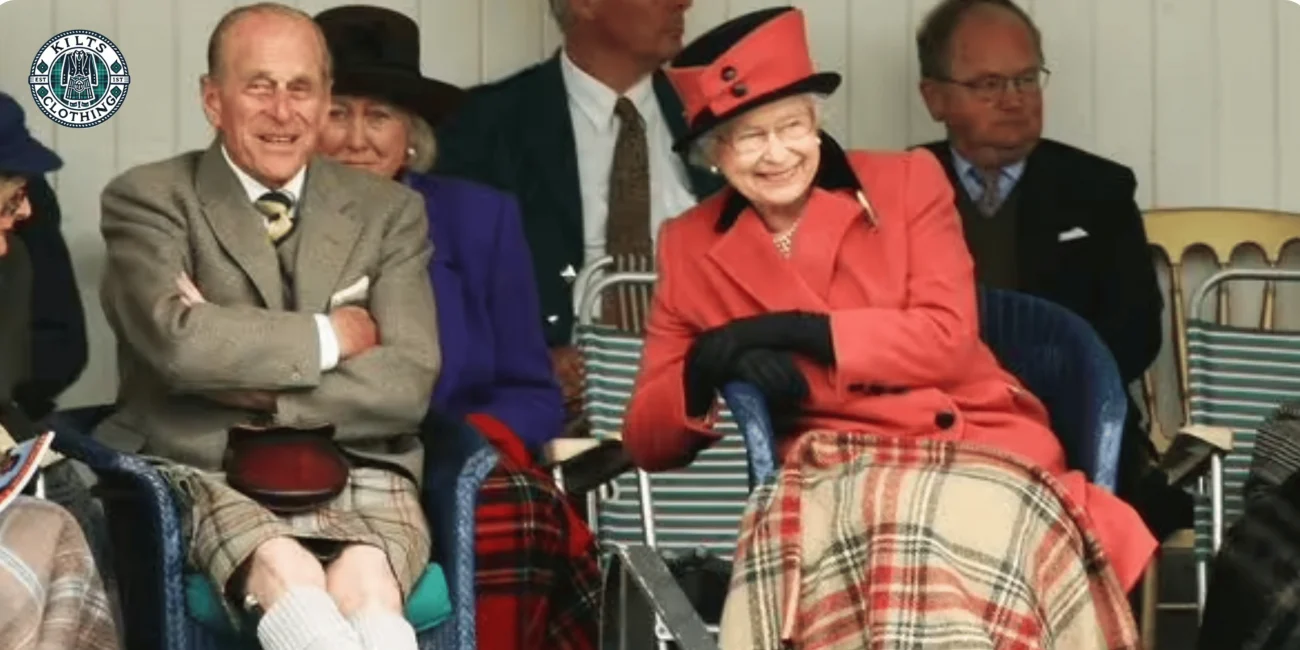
<point>53,598</point>
<point>868,542</point>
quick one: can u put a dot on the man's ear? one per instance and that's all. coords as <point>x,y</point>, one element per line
<point>211,100</point>
<point>935,97</point>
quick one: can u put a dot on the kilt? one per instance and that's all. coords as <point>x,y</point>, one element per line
<point>869,542</point>
<point>53,597</point>
<point>536,576</point>
<point>222,527</point>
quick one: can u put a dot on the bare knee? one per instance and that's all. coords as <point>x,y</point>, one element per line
<point>278,565</point>
<point>362,579</point>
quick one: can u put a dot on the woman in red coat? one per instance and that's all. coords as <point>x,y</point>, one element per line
<point>922,497</point>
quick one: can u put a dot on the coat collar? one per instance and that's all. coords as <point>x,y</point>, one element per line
<point>837,211</point>
<point>835,173</point>
<point>327,227</point>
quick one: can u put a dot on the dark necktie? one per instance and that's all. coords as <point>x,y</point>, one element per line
<point>277,208</point>
<point>991,198</point>
<point>627,230</point>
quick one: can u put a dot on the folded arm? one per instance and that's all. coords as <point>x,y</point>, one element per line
<point>193,347</point>
<point>926,342</point>
<point>657,431</point>
<point>385,389</point>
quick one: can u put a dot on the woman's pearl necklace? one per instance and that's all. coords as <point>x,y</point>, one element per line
<point>785,240</point>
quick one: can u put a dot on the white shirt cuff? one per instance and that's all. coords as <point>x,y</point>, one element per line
<point>329,343</point>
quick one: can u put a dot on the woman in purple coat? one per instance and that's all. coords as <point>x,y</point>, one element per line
<point>537,579</point>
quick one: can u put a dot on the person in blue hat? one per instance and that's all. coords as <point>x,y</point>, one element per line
<point>50,320</point>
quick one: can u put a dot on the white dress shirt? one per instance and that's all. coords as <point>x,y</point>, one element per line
<point>595,130</point>
<point>329,342</point>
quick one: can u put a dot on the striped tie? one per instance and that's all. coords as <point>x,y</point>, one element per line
<point>277,207</point>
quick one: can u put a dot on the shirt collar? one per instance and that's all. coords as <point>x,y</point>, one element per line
<point>255,189</point>
<point>596,100</point>
<point>963,167</point>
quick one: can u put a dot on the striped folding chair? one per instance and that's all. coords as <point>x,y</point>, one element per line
<point>1237,377</point>
<point>679,512</point>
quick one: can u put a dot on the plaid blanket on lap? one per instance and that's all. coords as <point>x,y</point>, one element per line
<point>865,542</point>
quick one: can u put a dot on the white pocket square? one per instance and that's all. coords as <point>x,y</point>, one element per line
<point>352,294</point>
<point>1072,234</point>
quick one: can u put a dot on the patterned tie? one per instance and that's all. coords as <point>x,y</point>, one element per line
<point>277,207</point>
<point>627,231</point>
<point>991,198</point>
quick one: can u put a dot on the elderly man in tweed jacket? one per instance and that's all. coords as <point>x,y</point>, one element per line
<point>252,283</point>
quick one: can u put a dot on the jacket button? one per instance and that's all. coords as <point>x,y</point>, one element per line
<point>945,419</point>
<point>739,90</point>
<point>728,73</point>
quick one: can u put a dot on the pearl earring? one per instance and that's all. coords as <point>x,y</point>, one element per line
<point>713,169</point>
<point>410,152</point>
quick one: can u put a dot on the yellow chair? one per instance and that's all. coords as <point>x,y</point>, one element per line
<point>1179,237</point>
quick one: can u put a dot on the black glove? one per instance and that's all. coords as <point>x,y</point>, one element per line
<point>800,332</point>
<point>711,360</point>
<point>774,374</point>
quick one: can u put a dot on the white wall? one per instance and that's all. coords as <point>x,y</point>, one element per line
<point>1221,76</point>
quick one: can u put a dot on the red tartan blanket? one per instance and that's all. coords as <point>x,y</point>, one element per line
<point>878,543</point>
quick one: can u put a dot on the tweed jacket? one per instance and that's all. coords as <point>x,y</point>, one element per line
<point>190,215</point>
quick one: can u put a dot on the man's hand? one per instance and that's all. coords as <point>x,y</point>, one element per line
<point>355,330</point>
<point>190,294</point>
<point>247,400</point>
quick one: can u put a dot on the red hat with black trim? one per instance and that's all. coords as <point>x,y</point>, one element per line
<point>744,63</point>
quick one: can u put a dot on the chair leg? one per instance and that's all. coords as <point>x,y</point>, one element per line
<point>1150,602</point>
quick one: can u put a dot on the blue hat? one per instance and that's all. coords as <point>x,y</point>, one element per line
<point>20,153</point>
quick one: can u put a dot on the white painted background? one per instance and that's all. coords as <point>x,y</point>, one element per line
<point>1200,97</point>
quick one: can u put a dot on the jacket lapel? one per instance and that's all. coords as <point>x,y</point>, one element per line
<point>329,226</point>
<point>746,253</point>
<point>238,225</point>
<point>546,138</point>
<point>703,183</point>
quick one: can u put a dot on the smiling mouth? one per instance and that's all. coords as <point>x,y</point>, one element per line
<point>777,177</point>
<point>278,140</point>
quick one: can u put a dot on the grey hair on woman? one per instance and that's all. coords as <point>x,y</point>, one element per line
<point>422,146</point>
<point>703,152</point>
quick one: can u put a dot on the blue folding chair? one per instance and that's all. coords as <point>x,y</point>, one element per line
<point>160,610</point>
<point>1053,351</point>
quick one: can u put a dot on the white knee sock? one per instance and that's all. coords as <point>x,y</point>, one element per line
<point>383,630</point>
<point>306,618</point>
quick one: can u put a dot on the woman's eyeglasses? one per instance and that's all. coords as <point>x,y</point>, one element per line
<point>751,142</point>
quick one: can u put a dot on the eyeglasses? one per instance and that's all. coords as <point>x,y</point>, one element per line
<point>990,88</point>
<point>752,142</point>
<point>10,207</point>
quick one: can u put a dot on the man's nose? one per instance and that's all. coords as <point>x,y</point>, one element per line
<point>280,107</point>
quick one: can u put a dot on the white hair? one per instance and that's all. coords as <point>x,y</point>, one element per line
<point>703,152</point>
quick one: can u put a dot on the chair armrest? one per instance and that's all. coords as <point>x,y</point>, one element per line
<point>749,408</point>
<point>655,592</point>
<point>1188,456</point>
<point>145,527</point>
<point>586,463</point>
<point>457,460</point>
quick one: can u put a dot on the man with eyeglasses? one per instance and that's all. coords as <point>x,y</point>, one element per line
<point>1041,216</point>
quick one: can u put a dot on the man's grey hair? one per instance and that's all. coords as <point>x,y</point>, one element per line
<point>562,14</point>
<point>217,40</point>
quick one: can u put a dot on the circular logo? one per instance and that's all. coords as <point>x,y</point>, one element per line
<point>79,78</point>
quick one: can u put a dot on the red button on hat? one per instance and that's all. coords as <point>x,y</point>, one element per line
<point>744,63</point>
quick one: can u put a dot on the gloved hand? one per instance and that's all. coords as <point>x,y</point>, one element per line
<point>774,374</point>
<point>711,360</point>
<point>800,332</point>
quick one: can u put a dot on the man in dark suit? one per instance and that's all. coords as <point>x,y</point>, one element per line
<point>555,135</point>
<point>1040,216</point>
